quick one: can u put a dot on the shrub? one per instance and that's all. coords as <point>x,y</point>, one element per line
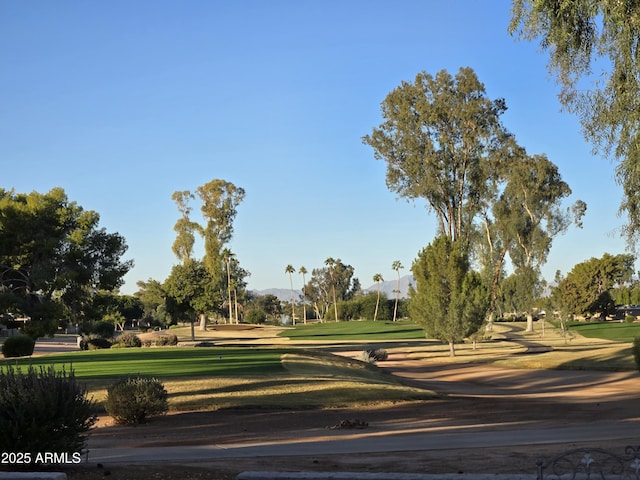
<point>127,340</point>
<point>18,346</point>
<point>103,329</point>
<point>255,316</point>
<point>164,340</point>
<point>372,356</point>
<point>629,319</point>
<point>130,401</point>
<point>43,411</point>
<point>635,349</point>
<point>94,342</point>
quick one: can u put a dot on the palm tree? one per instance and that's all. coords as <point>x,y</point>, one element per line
<point>290,270</point>
<point>331,263</point>
<point>226,253</point>
<point>303,271</point>
<point>377,278</point>
<point>397,266</point>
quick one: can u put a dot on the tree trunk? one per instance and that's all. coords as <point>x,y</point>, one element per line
<point>193,331</point>
<point>452,349</point>
<point>375,314</point>
<point>203,322</point>
<point>490,317</point>
<point>529,322</point>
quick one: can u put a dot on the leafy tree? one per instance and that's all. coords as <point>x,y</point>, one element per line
<point>331,284</point>
<point>219,202</point>
<point>520,290</point>
<point>449,299</point>
<point>439,139</point>
<point>586,290</point>
<point>153,297</point>
<point>270,304</point>
<point>593,52</point>
<point>331,265</point>
<point>191,293</point>
<point>528,215</point>
<point>120,308</point>
<point>185,238</point>
<point>52,250</point>
<point>378,279</point>
<point>116,318</point>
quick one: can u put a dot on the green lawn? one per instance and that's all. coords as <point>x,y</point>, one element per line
<point>617,332</point>
<point>356,330</point>
<point>163,362</point>
<point>236,377</point>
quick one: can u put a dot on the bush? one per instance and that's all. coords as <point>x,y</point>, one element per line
<point>127,340</point>
<point>629,319</point>
<point>164,340</point>
<point>103,329</point>
<point>372,356</point>
<point>18,346</point>
<point>130,401</point>
<point>94,342</point>
<point>255,316</point>
<point>43,411</point>
<point>635,349</point>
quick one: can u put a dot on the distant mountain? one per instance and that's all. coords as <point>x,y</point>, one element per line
<point>388,287</point>
<point>283,294</point>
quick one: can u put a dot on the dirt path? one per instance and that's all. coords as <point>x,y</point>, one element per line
<point>583,408</point>
<point>530,413</point>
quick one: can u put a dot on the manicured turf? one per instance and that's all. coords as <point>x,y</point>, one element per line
<point>619,332</point>
<point>163,362</point>
<point>356,330</point>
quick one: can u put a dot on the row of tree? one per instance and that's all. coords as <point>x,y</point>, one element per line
<point>443,142</point>
<point>55,261</point>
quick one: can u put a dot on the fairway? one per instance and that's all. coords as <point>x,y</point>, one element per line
<point>162,362</point>
<point>365,330</point>
<point>618,332</point>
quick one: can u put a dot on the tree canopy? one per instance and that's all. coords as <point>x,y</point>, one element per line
<point>198,286</point>
<point>439,139</point>
<point>594,46</point>
<point>586,290</point>
<point>53,251</point>
<point>449,299</point>
<point>443,141</point>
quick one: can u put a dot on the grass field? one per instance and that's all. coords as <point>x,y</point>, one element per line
<point>356,330</point>
<point>619,332</point>
<point>283,375</point>
<point>164,362</point>
<point>234,377</point>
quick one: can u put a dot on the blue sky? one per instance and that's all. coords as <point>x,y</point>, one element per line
<point>122,103</point>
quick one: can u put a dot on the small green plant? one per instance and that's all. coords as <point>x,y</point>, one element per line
<point>629,319</point>
<point>132,400</point>
<point>18,346</point>
<point>635,349</point>
<point>43,411</point>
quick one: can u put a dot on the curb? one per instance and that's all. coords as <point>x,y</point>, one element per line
<point>377,476</point>
<point>33,476</point>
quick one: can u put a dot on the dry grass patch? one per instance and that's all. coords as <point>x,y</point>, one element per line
<point>313,380</point>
